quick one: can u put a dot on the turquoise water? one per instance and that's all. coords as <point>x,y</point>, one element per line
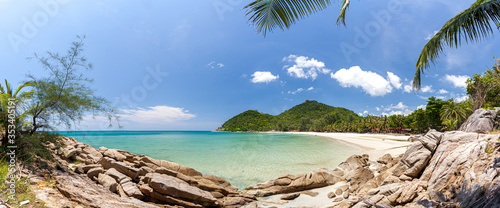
<point>241,158</point>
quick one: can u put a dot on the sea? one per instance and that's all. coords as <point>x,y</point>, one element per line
<point>241,158</point>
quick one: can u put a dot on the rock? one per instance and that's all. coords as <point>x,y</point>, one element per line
<point>418,155</point>
<point>282,182</point>
<point>107,163</point>
<point>360,177</point>
<point>481,121</point>
<point>386,159</point>
<point>80,189</point>
<point>94,172</point>
<point>338,199</point>
<point>290,196</point>
<point>96,155</point>
<point>175,187</point>
<point>221,182</point>
<point>338,191</point>
<point>86,168</point>
<point>107,181</point>
<point>237,201</point>
<point>102,149</point>
<point>115,174</point>
<point>113,153</point>
<point>131,189</point>
<point>310,193</point>
<point>331,195</point>
<point>354,162</point>
<point>144,170</point>
<point>345,195</point>
<point>436,195</point>
<point>169,165</point>
<point>314,179</point>
<point>391,179</point>
<point>68,152</point>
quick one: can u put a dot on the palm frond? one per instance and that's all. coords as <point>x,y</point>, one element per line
<point>473,24</point>
<point>267,15</point>
<point>343,7</point>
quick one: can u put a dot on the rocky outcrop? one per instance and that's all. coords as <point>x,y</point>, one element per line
<point>481,121</point>
<point>138,178</point>
<point>292,183</point>
<point>417,156</point>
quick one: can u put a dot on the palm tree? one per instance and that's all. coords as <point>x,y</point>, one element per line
<point>473,24</point>
<point>19,97</point>
<point>453,113</point>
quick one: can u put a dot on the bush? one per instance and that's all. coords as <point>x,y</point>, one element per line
<point>30,148</point>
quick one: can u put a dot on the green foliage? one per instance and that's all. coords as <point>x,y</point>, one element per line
<point>433,110</point>
<point>485,89</point>
<point>310,115</point>
<point>65,96</point>
<point>22,188</point>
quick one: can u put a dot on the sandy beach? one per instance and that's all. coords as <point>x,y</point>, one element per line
<point>375,145</point>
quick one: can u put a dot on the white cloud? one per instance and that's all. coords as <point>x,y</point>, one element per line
<point>394,80</point>
<point>399,106</point>
<point>365,112</point>
<point>360,114</point>
<point>371,82</point>
<point>426,88</point>
<point>421,107</point>
<point>429,36</point>
<point>378,109</point>
<point>442,91</point>
<point>156,114</point>
<point>214,65</point>
<point>305,67</point>
<point>263,76</point>
<point>296,91</point>
<point>462,98</point>
<point>457,80</point>
<point>407,88</point>
<point>310,88</point>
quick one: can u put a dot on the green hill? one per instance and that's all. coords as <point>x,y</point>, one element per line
<point>308,116</point>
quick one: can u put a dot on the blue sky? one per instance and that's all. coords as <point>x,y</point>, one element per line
<point>191,65</point>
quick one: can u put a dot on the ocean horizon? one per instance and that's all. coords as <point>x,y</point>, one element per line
<point>241,158</point>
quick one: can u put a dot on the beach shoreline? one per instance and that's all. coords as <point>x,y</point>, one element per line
<point>375,145</point>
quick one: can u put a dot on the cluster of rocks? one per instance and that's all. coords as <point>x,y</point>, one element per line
<point>451,169</point>
<point>143,178</point>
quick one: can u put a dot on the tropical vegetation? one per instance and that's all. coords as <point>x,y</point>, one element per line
<point>472,24</point>
<point>315,116</point>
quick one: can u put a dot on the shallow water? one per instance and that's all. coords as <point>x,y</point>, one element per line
<point>241,158</point>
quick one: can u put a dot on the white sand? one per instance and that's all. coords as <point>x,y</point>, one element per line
<point>375,145</point>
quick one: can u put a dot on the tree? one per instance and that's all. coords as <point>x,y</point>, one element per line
<point>433,111</point>
<point>453,114</point>
<point>483,88</point>
<point>19,97</point>
<point>472,24</point>
<point>65,96</point>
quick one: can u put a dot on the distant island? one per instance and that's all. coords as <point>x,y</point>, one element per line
<point>310,115</point>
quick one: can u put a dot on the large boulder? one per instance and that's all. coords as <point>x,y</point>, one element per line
<point>107,181</point>
<point>113,153</point>
<point>122,167</point>
<point>80,189</point>
<point>481,121</point>
<point>293,183</point>
<point>131,189</point>
<point>417,156</point>
<point>177,188</point>
<point>154,163</point>
<point>354,162</point>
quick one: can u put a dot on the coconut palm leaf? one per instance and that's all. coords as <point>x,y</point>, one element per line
<point>343,7</point>
<point>473,24</point>
<point>267,15</point>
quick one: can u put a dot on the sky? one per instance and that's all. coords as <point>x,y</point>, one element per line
<point>191,65</point>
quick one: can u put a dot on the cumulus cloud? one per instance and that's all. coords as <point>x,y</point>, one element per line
<point>407,88</point>
<point>263,76</point>
<point>426,88</point>
<point>462,98</point>
<point>370,82</point>
<point>305,67</point>
<point>421,107</point>
<point>214,65</point>
<point>156,114</point>
<point>394,80</point>
<point>377,108</point>
<point>399,106</point>
<point>310,88</point>
<point>442,91</point>
<point>458,81</point>
<point>398,109</point>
